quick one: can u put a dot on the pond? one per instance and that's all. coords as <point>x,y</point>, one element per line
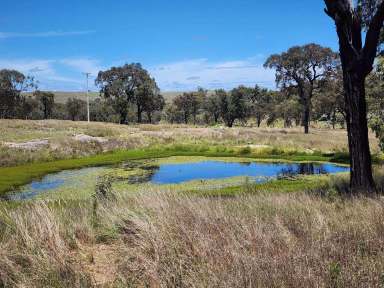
<point>79,181</point>
<point>183,172</point>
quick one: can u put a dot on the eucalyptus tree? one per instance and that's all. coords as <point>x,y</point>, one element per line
<point>352,21</point>
<point>285,105</point>
<point>197,102</point>
<point>261,100</point>
<point>147,98</point>
<point>12,84</point>
<point>129,84</point>
<point>154,104</point>
<point>75,108</point>
<point>212,107</point>
<point>46,101</point>
<point>233,105</point>
<point>303,67</point>
<point>182,103</point>
<point>28,106</point>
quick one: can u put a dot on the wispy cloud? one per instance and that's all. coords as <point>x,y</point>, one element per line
<point>83,65</point>
<point>6,35</point>
<point>66,74</point>
<point>49,73</point>
<point>189,74</point>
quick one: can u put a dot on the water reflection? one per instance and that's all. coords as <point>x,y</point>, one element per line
<point>182,172</point>
<point>303,169</point>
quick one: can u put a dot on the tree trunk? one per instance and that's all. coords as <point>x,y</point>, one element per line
<point>230,123</point>
<point>149,115</point>
<point>215,118</point>
<point>139,114</point>
<point>357,62</point>
<point>333,119</point>
<point>287,122</point>
<point>358,141</point>
<point>306,116</point>
<point>123,117</point>
<point>258,121</point>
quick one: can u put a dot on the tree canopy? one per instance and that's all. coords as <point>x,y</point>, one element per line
<point>129,84</point>
<point>303,67</point>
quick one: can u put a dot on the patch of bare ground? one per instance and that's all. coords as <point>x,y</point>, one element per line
<point>29,145</point>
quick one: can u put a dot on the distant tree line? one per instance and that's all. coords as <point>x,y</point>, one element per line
<point>309,79</point>
<point>129,95</point>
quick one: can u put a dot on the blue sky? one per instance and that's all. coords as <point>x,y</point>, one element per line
<point>183,44</point>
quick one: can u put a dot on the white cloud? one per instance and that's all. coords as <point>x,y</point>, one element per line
<point>189,74</point>
<point>66,74</point>
<point>83,65</point>
<point>47,73</point>
<point>6,35</point>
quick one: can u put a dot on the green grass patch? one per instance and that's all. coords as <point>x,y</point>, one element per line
<point>300,184</point>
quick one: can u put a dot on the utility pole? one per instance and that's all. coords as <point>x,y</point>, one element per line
<point>87,74</point>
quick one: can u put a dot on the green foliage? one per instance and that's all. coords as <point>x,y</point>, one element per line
<point>245,151</point>
<point>130,84</point>
<point>374,90</point>
<point>212,107</point>
<point>189,104</point>
<point>76,109</point>
<point>303,67</point>
<point>261,101</point>
<point>335,274</point>
<point>46,101</point>
<point>12,84</point>
<point>233,105</point>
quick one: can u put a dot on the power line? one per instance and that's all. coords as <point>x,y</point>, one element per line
<point>87,74</point>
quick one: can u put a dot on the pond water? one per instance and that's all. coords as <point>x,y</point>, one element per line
<point>182,172</point>
<point>78,181</point>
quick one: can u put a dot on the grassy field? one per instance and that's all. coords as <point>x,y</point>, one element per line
<point>286,233</point>
<point>62,144</point>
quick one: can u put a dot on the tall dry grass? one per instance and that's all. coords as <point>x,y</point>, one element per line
<point>34,251</point>
<point>170,240</point>
<point>293,240</point>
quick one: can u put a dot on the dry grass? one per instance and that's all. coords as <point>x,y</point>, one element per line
<point>161,238</point>
<point>263,241</point>
<point>33,251</point>
<point>154,239</point>
<point>62,145</point>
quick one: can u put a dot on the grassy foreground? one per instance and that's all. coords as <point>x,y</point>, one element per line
<point>164,239</point>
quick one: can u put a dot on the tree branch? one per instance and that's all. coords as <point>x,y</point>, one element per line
<point>373,36</point>
<point>343,14</point>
